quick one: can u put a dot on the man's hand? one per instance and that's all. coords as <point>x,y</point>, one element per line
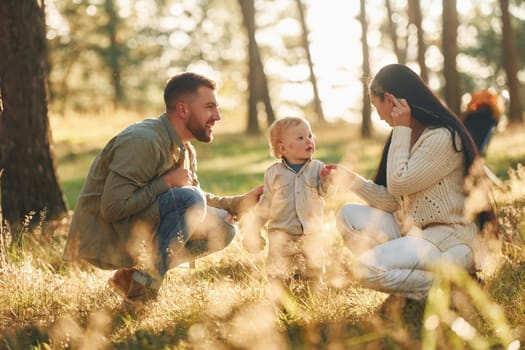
<point>251,198</point>
<point>178,177</point>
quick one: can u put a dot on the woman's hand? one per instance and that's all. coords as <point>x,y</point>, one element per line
<point>401,113</point>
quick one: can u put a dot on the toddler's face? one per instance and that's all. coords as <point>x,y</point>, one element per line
<point>298,144</point>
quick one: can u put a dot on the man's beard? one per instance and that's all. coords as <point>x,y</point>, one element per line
<point>198,131</point>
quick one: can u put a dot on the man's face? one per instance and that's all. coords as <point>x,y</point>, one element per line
<point>204,112</point>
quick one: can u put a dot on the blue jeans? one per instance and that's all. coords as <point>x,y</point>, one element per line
<point>188,228</point>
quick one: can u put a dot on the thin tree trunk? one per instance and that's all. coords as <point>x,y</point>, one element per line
<point>114,52</point>
<point>248,14</point>
<point>415,18</point>
<point>263,90</point>
<point>257,82</point>
<point>510,66</point>
<point>1,211</point>
<point>29,183</point>
<point>306,45</point>
<point>400,53</point>
<point>450,52</point>
<point>366,126</point>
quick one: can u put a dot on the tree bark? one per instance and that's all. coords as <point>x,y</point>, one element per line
<point>511,67</point>
<point>414,9</point>
<point>401,54</point>
<point>366,126</point>
<point>263,90</point>
<point>306,45</point>
<point>248,15</point>
<point>114,52</point>
<point>450,52</point>
<point>257,82</point>
<point>29,182</point>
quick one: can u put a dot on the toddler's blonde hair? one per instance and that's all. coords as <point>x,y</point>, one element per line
<point>277,129</point>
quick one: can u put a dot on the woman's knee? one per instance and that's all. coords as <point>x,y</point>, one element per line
<point>460,255</point>
<point>345,218</point>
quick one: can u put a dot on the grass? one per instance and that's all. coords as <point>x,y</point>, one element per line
<point>226,301</point>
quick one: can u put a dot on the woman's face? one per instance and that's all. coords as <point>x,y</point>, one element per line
<point>383,107</point>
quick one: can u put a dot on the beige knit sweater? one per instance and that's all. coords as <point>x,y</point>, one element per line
<point>425,188</point>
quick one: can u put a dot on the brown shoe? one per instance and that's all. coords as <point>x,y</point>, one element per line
<point>124,281</point>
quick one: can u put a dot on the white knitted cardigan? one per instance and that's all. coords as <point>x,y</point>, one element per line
<point>425,187</point>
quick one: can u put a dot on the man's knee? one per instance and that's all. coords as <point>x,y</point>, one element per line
<point>187,197</point>
<point>195,204</point>
<point>195,197</point>
<point>216,230</point>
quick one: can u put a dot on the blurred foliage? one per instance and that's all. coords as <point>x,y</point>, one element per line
<point>155,39</point>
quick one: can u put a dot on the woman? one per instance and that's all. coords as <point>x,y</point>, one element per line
<point>416,214</point>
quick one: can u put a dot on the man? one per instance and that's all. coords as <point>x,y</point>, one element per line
<point>141,210</point>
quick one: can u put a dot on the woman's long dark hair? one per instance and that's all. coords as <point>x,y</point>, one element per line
<point>402,82</point>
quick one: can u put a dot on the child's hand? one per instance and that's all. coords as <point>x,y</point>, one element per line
<point>254,243</point>
<point>328,170</point>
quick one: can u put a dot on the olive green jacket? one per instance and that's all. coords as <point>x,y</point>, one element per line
<point>117,212</point>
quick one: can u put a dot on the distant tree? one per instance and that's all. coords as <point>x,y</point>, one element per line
<point>415,18</point>
<point>114,53</point>
<point>399,50</point>
<point>510,65</point>
<point>306,45</point>
<point>29,182</point>
<point>449,45</point>
<point>257,82</point>
<point>366,126</point>
<point>104,54</point>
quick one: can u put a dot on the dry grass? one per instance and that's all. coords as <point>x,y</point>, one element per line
<point>226,302</point>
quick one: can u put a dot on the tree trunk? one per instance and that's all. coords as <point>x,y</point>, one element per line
<point>306,45</point>
<point>510,66</point>
<point>366,126</point>
<point>1,211</point>
<point>401,54</point>
<point>262,88</point>
<point>450,52</point>
<point>257,82</point>
<point>29,182</point>
<point>248,15</point>
<point>114,52</point>
<point>414,9</point>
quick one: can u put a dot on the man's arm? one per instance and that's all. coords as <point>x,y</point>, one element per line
<point>236,205</point>
<point>133,183</point>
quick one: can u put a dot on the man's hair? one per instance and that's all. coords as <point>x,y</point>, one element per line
<point>278,128</point>
<point>183,84</point>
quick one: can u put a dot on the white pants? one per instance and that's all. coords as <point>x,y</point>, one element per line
<point>388,262</point>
